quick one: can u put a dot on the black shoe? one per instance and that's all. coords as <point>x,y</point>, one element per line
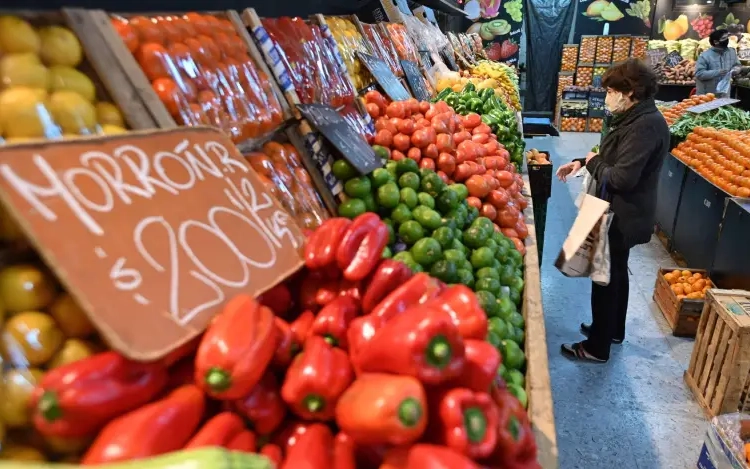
<point>577,352</point>
<point>586,330</point>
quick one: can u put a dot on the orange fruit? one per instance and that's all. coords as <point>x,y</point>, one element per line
<point>126,32</point>
<point>147,29</point>
<point>686,273</point>
<point>211,52</point>
<point>199,22</point>
<point>669,277</point>
<point>676,273</point>
<point>687,289</point>
<point>171,95</point>
<point>154,60</point>
<point>677,289</point>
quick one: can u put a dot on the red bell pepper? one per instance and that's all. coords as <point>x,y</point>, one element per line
<point>322,245</point>
<point>218,431</point>
<point>316,379</point>
<point>245,442</point>
<point>278,299</point>
<point>437,457</point>
<point>236,349</point>
<point>466,421</point>
<point>290,434</point>
<point>77,399</point>
<point>183,351</point>
<point>344,452</point>
<point>383,409</point>
<point>466,312</point>
<point>287,345</point>
<point>388,276</point>
<point>423,342</point>
<point>273,452</point>
<point>480,370</point>
<point>332,322</point>
<point>328,291</point>
<point>362,246</point>
<point>352,289</point>
<point>181,374</point>
<point>515,438</point>
<point>157,428</point>
<point>312,451</point>
<point>263,406</point>
<point>302,325</point>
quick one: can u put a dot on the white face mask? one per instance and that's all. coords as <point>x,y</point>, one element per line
<point>615,102</point>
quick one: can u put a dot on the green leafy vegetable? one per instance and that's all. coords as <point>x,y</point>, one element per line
<point>727,117</point>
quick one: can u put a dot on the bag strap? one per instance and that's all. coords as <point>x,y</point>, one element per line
<point>603,194</point>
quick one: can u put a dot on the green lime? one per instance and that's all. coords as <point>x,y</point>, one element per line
<point>517,282</point>
<point>499,327</point>
<point>475,237</point>
<point>391,232</point>
<point>486,224</point>
<point>494,339</point>
<point>431,183</point>
<point>409,197</point>
<point>466,265</point>
<point>388,195</point>
<point>488,302</point>
<point>506,308</point>
<point>488,284</point>
<point>518,335</point>
<point>370,203</point>
<point>465,277</point>
<point>380,176</point>
<point>507,274</point>
<point>515,296</point>
<point>447,201</point>
<point>457,217</point>
<point>407,165</point>
<point>448,223</point>
<point>472,215</point>
<point>491,244</point>
<point>513,357</point>
<point>343,170</point>
<point>390,166</point>
<point>458,245</point>
<point>409,180</point>
<point>461,191</point>
<point>401,214</point>
<point>444,236</point>
<point>445,271</point>
<point>516,377</point>
<point>458,235</point>
<point>426,251</point>
<point>516,319</point>
<point>381,152</point>
<point>502,372</point>
<point>429,218</point>
<point>352,208</point>
<point>519,392</point>
<point>516,257</point>
<point>487,272</point>
<point>416,268</point>
<point>387,254</point>
<point>426,199</point>
<point>482,257</point>
<point>405,257</point>
<point>410,232</point>
<point>453,255</point>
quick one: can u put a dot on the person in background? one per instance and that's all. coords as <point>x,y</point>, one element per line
<point>715,63</point>
<point>626,171</point>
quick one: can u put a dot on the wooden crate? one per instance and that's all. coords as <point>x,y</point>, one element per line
<point>683,315</point>
<point>719,370</point>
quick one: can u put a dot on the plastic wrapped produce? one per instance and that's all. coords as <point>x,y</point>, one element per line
<point>310,61</point>
<point>604,46</point>
<point>587,50</point>
<point>584,76</point>
<point>200,69</point>
<point>44,91</point>
<point>569,58</point>
<point>383,48</point>
<point>621,50</point>
<point>349,42</point>
<point>638,47</point>
<point>563,81</point>
<point>405,47</point>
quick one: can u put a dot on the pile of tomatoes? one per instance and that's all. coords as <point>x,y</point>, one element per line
<point>200,69</point>
<point>721,156</point>
<point>460,148</point>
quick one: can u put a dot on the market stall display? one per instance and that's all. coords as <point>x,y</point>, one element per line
<point>672,113</point>
<point>382,47</point>
<point>569,58</point>
<point>349,41</point>
<point>679,294</point>
<point>604,46</point>
<point>573,124</point>
<point>638,47</point>
<point>587,51</point>
<point>584,76</point>
<point>50,88</point>
<point>506,76</point>
<point>621,48</point>
<point>726,117</point>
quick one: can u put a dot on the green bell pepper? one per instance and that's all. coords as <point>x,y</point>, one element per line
<point>469,87</point>
<point>475,105</point>
<point>486,94</point>
<point>444,94</point>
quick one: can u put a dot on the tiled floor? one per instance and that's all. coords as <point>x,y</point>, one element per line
<point>635,411</point>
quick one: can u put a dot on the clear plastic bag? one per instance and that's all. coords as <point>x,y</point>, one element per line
<point>47,90</point>
<point>200,69</point>
<point>405,47</point>
<point>383,48</point>
<point>349,42</point>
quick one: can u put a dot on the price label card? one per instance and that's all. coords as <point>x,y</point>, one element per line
<point>673,59</point>
<point>596,103</point>
<point>416,80</point>
<point>656,56</point>
<point>385,77</point>
<point>342,135</point>
<point>711,105</point>
<point>153,232</point>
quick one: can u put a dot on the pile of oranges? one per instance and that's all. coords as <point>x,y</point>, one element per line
<point>200,68</point>
<point>673,113</point>
<point>686,284</point>
<point>721,156</point>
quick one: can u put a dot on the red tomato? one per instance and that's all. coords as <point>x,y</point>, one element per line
<point>384,124</point>
<point>509,232</point>
<point>461,157</point>
<point>444,177</point>
<point>497,228</point>
<point>432,112</point>
<point>519,245</point>
<point>469,148</point>
<point>504,178</point>
<point>481,129</point>
<point>431,151</point>
<point>503,152</point>
<point>476,167</point>
<point>507,217</point>
<point>472,120</point>
<point>521,229</point>
<point>491,162</point>
<point>427,163</point>
<point>373,110</point>
<point>488,211</point>
<point>397,155</point>
<point>414,154</point>
<point>444,142</point>
<point>422,124</point>
<point>421,138</point>
<point>447,163</point>
<point>395,121</point>
<point>417,116</point>
<point>396,109</point>
<point>424,106</point>
<point>442,106</point>
<point>480,138</point>
<point>477,186</point>
<point>412,106</point>
<point>401,142</point>
<point>461,136</point>
<point>474,202</point>
<point>499,198</point>
<point>522,203</point>
<point>384,138</point>
<point>440,124</point>
<point>512,189</point>
<point>491,181</point>
<point>375,97</point>
<point>406,126</point>
<point>462,173</point>
<point>491,147</point>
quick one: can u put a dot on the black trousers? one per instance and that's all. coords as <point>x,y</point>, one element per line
<point>609,304</point>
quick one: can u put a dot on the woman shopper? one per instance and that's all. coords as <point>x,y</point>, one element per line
<point>626,170</point>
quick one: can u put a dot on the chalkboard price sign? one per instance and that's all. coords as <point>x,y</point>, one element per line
<point>342,135</point>
<point>416,80</point>
<point>385,77</point>
<point>151,233</point>
<point>596,103</point>
<point>673,59</point>
<point>656,56</point>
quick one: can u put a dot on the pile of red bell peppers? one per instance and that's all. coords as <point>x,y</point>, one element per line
<point>353,363</point>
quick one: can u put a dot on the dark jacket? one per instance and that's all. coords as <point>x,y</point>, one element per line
<point>629,160</point>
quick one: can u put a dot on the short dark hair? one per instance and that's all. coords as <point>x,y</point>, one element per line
<point>716,36</point>
<point>632,75</point>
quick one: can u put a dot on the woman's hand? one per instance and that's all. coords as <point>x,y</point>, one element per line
<point>569,168</point>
